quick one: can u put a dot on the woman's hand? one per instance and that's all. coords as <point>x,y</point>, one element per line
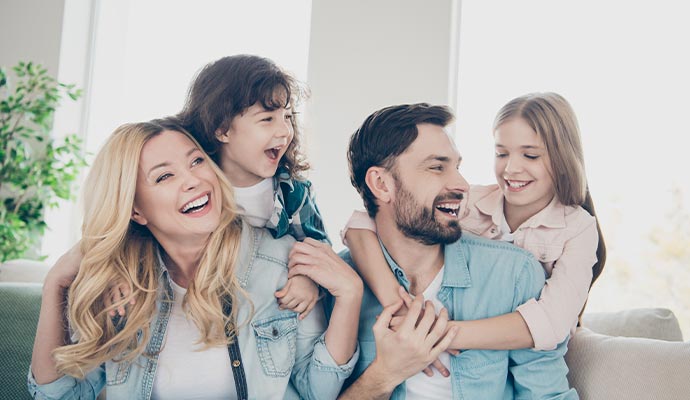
<point>318,261</point>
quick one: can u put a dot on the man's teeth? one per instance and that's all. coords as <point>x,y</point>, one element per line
<point>516,185</point>
<point>450,208</point>
<point>196,203</point>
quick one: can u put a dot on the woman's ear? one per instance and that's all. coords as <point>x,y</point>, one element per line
<point>380,183</point>
<point>138,217</point>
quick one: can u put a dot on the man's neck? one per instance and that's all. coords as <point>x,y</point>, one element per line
<point>420,262</point>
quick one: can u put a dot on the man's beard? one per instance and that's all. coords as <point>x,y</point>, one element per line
<point>417,222</point>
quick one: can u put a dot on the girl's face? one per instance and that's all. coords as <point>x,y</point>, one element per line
<point>255,143</point>
<point>522,167</point>
<point>178,194</point>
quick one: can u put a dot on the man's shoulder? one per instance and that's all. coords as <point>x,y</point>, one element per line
<point>347,257</point>
<point>474,243</point>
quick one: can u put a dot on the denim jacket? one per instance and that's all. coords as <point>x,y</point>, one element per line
<point>282,357</point>
<point>482,278</point>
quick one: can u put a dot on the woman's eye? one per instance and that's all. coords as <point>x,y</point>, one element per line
<point>163,177</point>
<point>531,156</point>
<point>288,116</point>
<point>197,161</point>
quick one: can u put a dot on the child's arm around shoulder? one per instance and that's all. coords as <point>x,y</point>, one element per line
<point>359,235</point>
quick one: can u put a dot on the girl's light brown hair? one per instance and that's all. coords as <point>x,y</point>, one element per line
<point>553,119</point>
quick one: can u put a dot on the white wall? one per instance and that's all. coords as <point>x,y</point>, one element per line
<point>31,30</point>
<point>365,55</point>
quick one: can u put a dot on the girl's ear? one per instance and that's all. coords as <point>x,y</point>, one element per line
<point>138,217</point>
<point>380,183</point>
<point>222,136</point>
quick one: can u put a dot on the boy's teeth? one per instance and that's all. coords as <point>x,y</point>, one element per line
<point>196,203</point>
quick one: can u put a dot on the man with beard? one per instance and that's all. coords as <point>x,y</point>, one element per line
<point>405,167</point>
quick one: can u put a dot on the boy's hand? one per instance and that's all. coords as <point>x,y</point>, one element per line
<point>299,294</point>
<point>118,294</point>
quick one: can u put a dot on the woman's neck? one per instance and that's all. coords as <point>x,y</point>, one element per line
<point>182,262</point>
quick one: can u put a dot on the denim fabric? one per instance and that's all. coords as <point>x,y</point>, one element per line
<point>282,356</point>
<point>482,278</point>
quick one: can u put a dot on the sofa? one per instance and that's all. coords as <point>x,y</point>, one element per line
<point>627,355</point>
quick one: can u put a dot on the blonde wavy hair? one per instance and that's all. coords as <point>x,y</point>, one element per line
<point>116,249</point>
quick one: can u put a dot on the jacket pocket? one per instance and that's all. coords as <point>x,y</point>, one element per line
<point>116,373</point>
<point>276,340</point>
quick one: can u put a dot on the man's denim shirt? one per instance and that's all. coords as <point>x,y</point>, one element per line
<point>482,278</point>
<point>282,356</point>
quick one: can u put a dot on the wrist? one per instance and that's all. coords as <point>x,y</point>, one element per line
<point>385,380</point>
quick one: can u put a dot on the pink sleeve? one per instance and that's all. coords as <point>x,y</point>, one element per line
<point>551,318</point>
<point>358,220</point>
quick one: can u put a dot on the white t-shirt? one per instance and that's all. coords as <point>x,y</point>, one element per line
<point>506,234</point>
<point>436,386</point>
<point>184,373</point>
<point>256,202</point>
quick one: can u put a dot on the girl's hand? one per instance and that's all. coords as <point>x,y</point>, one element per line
<point>299,294</point>
<point>118,294</point>
<point>319,262</point>
<point>397,321</point>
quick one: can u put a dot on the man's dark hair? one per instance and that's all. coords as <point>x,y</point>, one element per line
<point>385,135</point>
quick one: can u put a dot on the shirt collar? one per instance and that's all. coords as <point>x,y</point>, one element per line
<point>455,274</point>
<point>492,205</point>
<point>552,216</point>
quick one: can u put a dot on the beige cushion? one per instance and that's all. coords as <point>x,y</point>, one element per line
<point>611,368</point>
<point>652,323</point>
<point>23,271</point>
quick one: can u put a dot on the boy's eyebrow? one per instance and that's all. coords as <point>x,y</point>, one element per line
<point>166,163</point>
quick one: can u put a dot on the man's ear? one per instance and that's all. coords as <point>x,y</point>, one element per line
<point>138,217</point>
<point>380,182</point>
<point>222,136</point>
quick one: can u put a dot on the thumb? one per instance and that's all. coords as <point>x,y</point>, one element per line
<point>407,299</point>
<point>384,319</point>
<point>282,292</point>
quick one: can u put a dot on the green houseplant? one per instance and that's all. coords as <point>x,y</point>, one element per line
<point>35,170</point>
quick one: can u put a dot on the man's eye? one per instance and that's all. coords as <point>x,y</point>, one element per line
<point>163,177</point>
<point>197,161</point>
<point>267,119</point>
<point>437,167</point>
<point>501,155</point>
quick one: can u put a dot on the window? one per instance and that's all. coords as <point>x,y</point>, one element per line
<point>622,67</point>
<point>142,70</point>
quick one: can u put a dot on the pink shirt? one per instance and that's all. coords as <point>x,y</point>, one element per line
<point>563,238</point>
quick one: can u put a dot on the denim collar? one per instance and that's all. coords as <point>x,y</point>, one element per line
<point>455,274</point>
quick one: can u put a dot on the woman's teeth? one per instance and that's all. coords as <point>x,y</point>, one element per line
<point>194,205</point>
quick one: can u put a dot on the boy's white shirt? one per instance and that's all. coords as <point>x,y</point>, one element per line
<point>256,202</point>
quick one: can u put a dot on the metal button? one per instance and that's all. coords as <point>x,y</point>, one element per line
<point>399,273</point>
<point>236,363</point>
<point>274,332</point>
<point>493,230</point>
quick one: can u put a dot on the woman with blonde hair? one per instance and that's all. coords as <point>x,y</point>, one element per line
<point>202,320</point>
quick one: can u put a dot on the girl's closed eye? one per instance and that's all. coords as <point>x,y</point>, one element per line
<point>532,156</point>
